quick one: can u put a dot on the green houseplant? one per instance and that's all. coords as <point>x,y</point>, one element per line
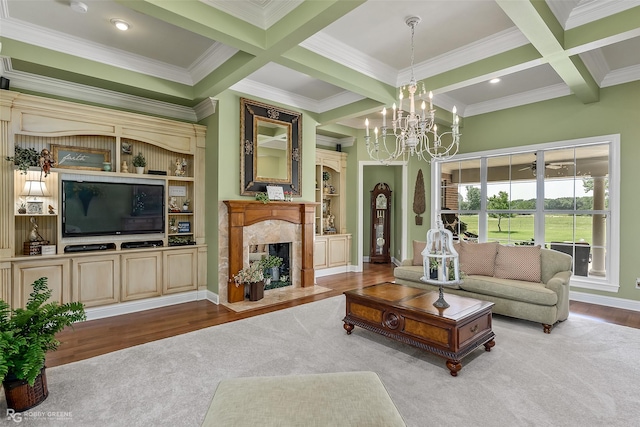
<point>24,158</point>
<point>271,265</point>
<point>139,162</point>
<point>26,334</point>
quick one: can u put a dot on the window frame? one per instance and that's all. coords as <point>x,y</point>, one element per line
<point>609,283</point>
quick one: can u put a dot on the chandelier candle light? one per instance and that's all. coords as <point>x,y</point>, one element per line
<point>415,133</point>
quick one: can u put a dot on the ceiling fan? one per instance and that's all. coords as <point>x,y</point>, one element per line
<point>550,165</point>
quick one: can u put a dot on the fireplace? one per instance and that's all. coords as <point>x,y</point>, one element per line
<point>255,223</point>
<point>275,277</point>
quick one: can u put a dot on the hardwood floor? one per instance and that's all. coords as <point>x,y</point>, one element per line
<point>96,337</point>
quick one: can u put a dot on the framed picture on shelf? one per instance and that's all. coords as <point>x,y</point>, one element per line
<point>184,227</point>
<point>79,158</point>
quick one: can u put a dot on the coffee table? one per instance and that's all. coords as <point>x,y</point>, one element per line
<point>407,315</point>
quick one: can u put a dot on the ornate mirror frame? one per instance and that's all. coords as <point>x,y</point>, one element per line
<point>251,114</point>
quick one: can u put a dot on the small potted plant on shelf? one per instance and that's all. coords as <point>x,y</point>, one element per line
<point>139,162</point>
<point>24,158</point>
<point>185,205</point>
<point>253,275</point>
<point>25,337</point>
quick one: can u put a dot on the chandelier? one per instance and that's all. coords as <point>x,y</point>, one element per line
<point>415,133</point>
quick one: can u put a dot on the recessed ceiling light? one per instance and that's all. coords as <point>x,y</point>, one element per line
<point>120,24</point>
<point>78,6</point>
<point>494,81</point>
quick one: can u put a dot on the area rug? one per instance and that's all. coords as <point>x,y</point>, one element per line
<point>585,373</point>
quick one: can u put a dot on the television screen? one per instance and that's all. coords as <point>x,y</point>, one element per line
<point>92,208</point>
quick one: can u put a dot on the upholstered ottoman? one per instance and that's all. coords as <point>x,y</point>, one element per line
<point>335,399</point>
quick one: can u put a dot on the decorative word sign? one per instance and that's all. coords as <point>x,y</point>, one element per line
<point>79,158</point>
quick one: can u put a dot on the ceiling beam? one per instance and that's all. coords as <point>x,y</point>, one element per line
<point>603,32</point>
<point>539,25</point>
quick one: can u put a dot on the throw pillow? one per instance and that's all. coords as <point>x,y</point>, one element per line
<point>518,263</point>
<point>418,247</point>
<point>477,258</point>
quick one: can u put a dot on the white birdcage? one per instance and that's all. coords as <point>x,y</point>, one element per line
<point>440,261</point>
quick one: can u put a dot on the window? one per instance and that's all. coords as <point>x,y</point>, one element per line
<point>561,195</point>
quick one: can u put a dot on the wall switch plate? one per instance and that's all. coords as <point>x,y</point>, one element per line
<point>638,283</point>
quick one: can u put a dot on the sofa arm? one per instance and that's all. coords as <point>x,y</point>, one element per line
<point>559,283</point>
<point>407,262</point>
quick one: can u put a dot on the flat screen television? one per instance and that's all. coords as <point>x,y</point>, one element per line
<point>95,208</point>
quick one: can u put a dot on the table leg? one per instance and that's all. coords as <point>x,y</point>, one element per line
<point>489,345</point>
<point>348,327</point>
<point>454,366</point>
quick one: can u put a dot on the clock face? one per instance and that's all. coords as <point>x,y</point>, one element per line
<point>381,201</point>
<point>380,241</point>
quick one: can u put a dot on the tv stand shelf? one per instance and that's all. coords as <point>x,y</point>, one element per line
<point>100,270</point>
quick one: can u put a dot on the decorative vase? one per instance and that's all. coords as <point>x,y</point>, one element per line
<point>22,210</point>
<point>139,170</point>
<point>275,274</point>
<point>21,396</point>
<point>106,166</point>
<point>256,291</point>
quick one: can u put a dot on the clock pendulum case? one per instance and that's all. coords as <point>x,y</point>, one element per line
<point>380,223</point>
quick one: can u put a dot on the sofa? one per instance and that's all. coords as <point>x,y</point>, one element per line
<point>525,282</point>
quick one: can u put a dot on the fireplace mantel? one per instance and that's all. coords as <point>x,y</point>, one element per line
<point>243,213</point>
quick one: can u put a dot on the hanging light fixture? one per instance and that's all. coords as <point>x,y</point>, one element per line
<point>415,133</point>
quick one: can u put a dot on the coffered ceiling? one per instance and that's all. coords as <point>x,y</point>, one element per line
<point>336,59</point>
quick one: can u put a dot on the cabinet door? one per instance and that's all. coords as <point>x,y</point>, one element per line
<point>320,253</point>
<point>141,275</point>
<point>96,280</point>
<point>180,268</point>
<point>338,250</point>
<point>27,272</point>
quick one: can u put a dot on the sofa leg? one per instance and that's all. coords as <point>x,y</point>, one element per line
<point>547,328</point>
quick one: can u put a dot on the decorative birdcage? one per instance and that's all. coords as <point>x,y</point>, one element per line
<point>440,261</point>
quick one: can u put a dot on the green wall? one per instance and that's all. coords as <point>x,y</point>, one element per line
<point>223,167</point>
<point>566,118</point>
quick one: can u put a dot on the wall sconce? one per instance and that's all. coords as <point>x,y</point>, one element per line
<point>34,190</point>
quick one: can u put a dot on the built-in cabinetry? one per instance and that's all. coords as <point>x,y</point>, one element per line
<point>116,268</point>
<point>332,246</point>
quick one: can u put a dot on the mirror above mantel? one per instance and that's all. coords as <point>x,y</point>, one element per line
<point>270,148</point>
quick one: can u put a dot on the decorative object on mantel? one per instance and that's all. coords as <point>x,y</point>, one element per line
<point>139,162</point>
<point>126,148</point>
<point>262,197</point>
<point>181,167</point>
<point>36,241</point>
<point>414,134</point>
<point>419,198</point>
<point>51,210</point>
<point>439,254</point>
<point>45,161</point>
<point>24,158</point>
<point>27,335</point>
<point>106,166</point>
<point>124,168</point>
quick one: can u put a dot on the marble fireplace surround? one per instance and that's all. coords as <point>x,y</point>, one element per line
<point>243,214</point>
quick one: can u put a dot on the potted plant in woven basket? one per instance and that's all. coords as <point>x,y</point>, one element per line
<point>253,276</point>
<point>25,337</point>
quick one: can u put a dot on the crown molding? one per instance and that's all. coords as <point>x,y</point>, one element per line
<point>211,59</point>
<point>597,65</point>
<point>206,108</point>
<point>621,76</point>
<point>487,47</point>
<point>593,10</point>
<point>59,42</point>
<point>517,100</point>
<point>64,89</point>
<point>328,141</point>
<point>335,50</point>
<point>261,13</point>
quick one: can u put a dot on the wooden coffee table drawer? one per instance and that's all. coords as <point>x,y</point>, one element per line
<point>474,328</point>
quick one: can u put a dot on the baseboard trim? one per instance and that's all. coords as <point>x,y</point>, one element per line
<point>625,304</point>
<point>333,270</point>
<point>127,307</point>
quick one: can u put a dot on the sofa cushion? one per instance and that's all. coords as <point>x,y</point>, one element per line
<point>477,258</point>
<point>518,263</point>
<point>517,290</point>
<point>413,273</point>
<point>418,247</point>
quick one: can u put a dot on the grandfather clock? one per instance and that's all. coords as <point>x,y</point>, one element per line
<point>380,223</point>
